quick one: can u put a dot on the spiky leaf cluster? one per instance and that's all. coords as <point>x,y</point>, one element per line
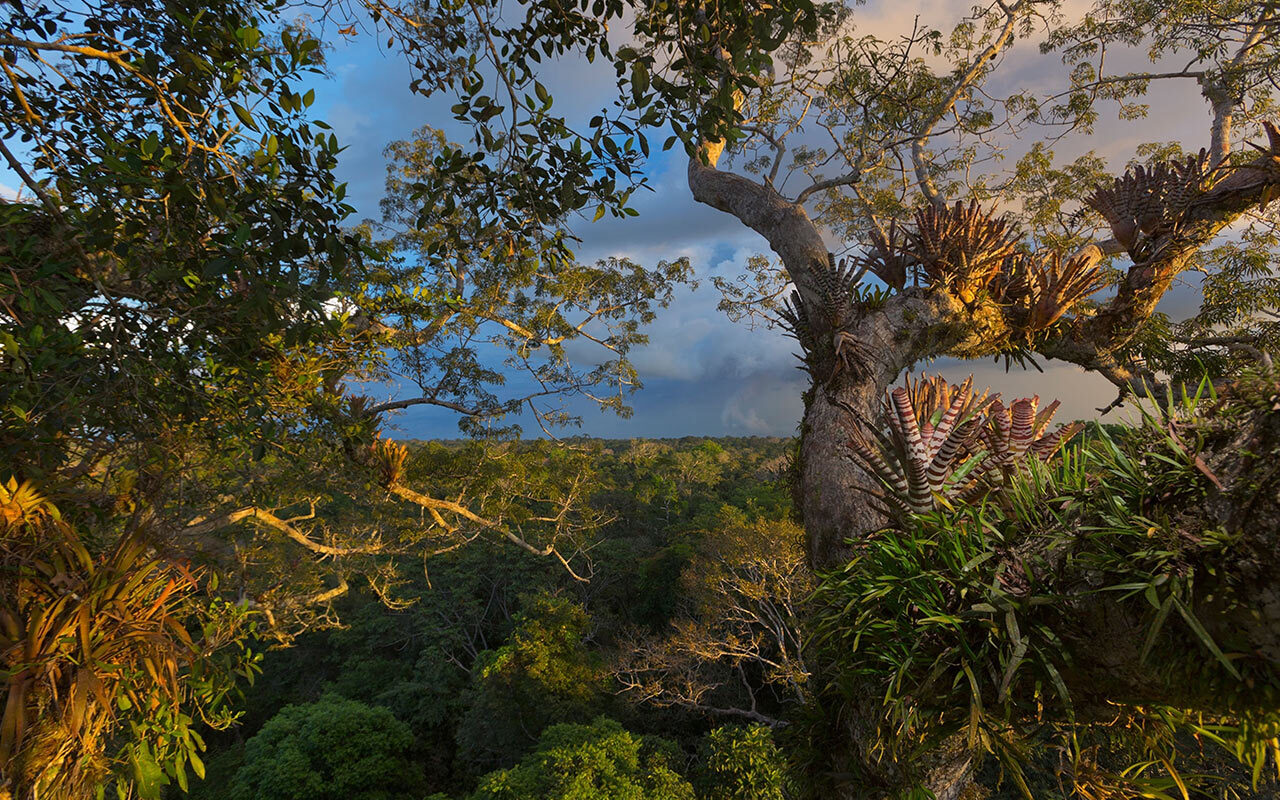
<point>888,258</point>
<point>841,300</point>
<point>797,322</point>
<point>388,459</point>
<point>838,288</point>
<point>1043,288</point>
<point>938,443</point>
<point>1015,432</point>
<point>922,447</point>
<point>961,248</point>
<point>968,252</point>
<point>1149,201</point>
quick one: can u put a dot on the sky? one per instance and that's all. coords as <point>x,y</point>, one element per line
<point>702,373</point>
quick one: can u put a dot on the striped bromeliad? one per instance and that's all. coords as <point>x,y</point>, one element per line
<point>938,441</point>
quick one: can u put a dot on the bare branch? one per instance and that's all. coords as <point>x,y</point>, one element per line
<point>966,80</point>
<point>1245,344</point>
<point>202,526</point>
<point>434,506</point>
<point>1223,101</point>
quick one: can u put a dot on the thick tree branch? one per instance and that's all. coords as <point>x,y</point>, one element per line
<point>785,225</point>
<point>831,183</point>
<point>1167,251</point>
<point>203,526</point>
<point>1223,100</point>
<point>398,405</point>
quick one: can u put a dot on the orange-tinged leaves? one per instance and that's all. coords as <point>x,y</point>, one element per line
<point>84,640</point>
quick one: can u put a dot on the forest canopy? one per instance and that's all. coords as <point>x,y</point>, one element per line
<point>218,561</point>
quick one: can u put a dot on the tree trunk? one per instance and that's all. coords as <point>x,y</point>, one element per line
<point>846,384</point>
<point>835,500</point>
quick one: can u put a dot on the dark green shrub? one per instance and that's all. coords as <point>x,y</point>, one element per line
<point>740,762</point>
<point>543,675</point>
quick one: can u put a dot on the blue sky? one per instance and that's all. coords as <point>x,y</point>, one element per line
<point>703,374</point>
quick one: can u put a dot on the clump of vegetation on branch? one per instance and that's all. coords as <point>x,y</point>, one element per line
<point>111,663</point>
<point>1104,606</point>
<point>936,444</point>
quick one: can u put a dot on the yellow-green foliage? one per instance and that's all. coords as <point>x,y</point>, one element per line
<point>543,674</point>
<point>600,761</point>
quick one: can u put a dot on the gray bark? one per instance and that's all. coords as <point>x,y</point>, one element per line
<point>834,502</point>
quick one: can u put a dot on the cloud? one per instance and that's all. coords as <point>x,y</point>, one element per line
<point>702,373</point>
<point>765,404</point>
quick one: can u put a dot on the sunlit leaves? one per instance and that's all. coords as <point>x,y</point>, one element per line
<point>108,658</point>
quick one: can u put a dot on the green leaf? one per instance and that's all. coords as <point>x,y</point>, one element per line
<point>1205,638</point>
<point>149,778</point>
<point>1154,631</point>
<point>639,79</point>
<point>244,115</point>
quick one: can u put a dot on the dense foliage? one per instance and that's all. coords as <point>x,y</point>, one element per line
<point>982,620</point>
<point>190,472</point>
<point>1006,620</point>
<point>578,762</point>
<point>98,643</point>
<point>333,748</point>
<point>184,296</point>
<point>485,652</point>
